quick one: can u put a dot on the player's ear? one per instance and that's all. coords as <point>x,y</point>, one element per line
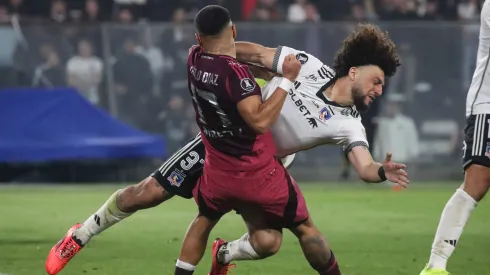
<point>198,39</point>
<point>233,29</point>
<point>353,72</point>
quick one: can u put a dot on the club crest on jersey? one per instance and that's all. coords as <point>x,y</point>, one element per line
<point>175,179</point>
<point>487,150</point>
<point>325,114</point>
<point>247,84</point>
<point>302,58</point>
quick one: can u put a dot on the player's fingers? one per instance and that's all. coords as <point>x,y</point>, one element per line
<point>402,172</point>
<point>398,166</point>
<point>404,179</point>
<point>388,157</point>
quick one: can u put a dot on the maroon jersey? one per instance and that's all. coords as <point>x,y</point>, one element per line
<point>217,84</point>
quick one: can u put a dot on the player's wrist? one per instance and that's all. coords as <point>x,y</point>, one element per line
<point>382,174</point>
<point>286,84</point>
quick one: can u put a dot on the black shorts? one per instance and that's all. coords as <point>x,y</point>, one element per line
<point>476,145</point>
<point>179,174</point>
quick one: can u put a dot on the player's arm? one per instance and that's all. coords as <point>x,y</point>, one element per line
<point>248,52</point>
<point>374,172</point>
<point>356,150</point>
<point>259,115</point>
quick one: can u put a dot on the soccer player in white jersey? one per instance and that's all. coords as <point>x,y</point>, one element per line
<point>476,158</point>
<point>322,108</point>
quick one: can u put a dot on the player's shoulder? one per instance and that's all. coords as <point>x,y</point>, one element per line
<point>235,69</point>
<point>313,71</point>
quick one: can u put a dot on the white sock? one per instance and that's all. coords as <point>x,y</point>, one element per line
<point>453,219</point>
<point>238,250</point>
<point>185,266</point>
<point>108,215</point>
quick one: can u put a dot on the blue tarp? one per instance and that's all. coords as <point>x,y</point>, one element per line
<point>59,124</point>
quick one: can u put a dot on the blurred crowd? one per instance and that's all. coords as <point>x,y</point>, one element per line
<point>137,70</point>
<point>127,11</point>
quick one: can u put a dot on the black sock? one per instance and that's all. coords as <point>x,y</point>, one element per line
<point>181,271</point>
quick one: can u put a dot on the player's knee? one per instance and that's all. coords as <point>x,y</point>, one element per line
<point>266,243</point>
<point>477,181</point>
<point>146,194</point>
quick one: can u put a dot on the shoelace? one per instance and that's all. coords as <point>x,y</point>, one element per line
<point>69,249</point>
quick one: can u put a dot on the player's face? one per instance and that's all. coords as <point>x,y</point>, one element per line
<point>367,86</point>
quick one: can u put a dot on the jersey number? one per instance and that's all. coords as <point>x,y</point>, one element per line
<point>189,161</point>
<point>213,101</point>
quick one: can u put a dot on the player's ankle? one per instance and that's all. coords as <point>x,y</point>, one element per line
<point>183,268</point>
<point>437,261</point>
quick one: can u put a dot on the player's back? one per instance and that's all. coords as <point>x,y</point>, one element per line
<point>477,101</point>
<point>217,83</point>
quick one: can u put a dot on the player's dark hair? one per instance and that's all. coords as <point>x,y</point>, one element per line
<point>211,20</point>
<point>368,45</point>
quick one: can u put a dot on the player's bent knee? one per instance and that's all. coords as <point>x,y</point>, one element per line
<point>146,194</point>
<point>477,181</point>
<point>266,242</point>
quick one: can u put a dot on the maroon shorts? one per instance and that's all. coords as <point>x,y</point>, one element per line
<point>272,191</point>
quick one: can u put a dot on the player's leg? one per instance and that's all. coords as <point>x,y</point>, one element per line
<point>316,249</point>
<point>459,207</point>
<point>261,241</point>
<point>194,244</point>
<point>213,202</point>
<point>177,175</point>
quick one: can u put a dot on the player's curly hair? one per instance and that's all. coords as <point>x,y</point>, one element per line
<point>367,45</point>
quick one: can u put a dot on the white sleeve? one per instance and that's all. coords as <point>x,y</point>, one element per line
<point>485,13</point>
<point>309,63</point>
<point>355,135</point>
<point>71,66</point>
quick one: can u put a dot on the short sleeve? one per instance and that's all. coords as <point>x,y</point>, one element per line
<point>309,63</point>
<point>355,135</point>
<point>71,65</point>
<point>241,83</point>
<point>98,65</point>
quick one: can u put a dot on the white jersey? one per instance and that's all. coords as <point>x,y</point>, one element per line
<point>308,118</point>
<point>478,99</point>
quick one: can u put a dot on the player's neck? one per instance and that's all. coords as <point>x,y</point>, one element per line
<point>221,48</point>
<point>339,93</point>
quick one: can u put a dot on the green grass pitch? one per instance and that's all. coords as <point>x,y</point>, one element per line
<point>372,229</point>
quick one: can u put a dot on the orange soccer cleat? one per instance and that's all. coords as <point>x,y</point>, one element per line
<point>62,252</point>
<point>218,268</point>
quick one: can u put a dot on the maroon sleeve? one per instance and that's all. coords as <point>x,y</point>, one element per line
<point>241,83</point>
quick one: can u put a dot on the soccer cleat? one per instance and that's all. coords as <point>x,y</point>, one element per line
<point>217,268</point>
<point>62,252</point>
<point>433,271</point>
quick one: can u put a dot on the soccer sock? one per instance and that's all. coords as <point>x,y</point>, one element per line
<point>238,250</point>
<point>108,215</point>
<point>182,268</point>
<point>453,219</point>
<point>333,266</point>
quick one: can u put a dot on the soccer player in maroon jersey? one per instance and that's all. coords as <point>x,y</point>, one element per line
<point>241,171</point>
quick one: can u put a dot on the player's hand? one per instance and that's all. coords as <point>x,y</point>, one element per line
<point>291,67</point>
<point>395,172</point>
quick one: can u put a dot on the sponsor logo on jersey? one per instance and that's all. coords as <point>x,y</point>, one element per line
<point>302,58</point>
<point>175,179</point>
<point>298,102</point>
<point>325,114</point>
<point>247,84</point>
<point>312,122</point>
